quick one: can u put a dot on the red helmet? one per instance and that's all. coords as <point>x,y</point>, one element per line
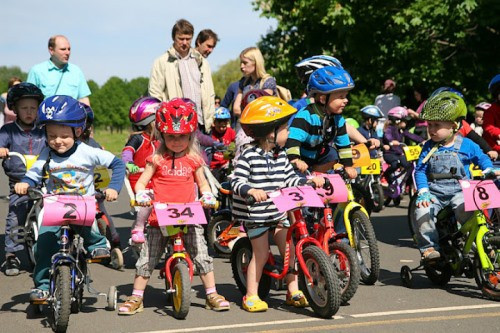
<point>176,117</point>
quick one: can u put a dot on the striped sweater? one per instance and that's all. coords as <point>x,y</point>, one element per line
<point>260,170</point>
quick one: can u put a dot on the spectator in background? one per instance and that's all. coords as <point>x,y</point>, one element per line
<point>387,100</point>
<point>206,42</point>
<point>6,114</point>
<point>57,76</point>
<point>477,125</point>
<point>420,95</point>
<point>230,95</point>
<point>216,101</point>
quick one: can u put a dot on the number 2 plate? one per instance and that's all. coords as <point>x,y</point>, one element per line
<point>480,194</point>
<point>68,209</point>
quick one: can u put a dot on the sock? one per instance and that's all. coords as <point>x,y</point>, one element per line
<point>138,292</point>
<point>210,290</point>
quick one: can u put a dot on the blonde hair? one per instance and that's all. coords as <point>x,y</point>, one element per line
<point>254,54</point>
<point>193,150</point>
<point>150,127</point>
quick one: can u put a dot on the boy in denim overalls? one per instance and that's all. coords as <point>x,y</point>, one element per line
<point>447,155</point>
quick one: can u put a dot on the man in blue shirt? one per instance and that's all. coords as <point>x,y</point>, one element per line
<point>57,76</point>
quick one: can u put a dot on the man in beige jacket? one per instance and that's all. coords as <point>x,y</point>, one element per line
<point>184,72</point>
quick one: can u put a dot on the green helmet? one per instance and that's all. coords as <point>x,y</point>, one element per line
<point>353,122</point>
<point>445,106</point>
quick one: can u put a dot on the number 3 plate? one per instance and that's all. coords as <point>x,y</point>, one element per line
<point>290,198</point>
<point>68,209</point>
<point>179,214</point>
<point>480,194</point>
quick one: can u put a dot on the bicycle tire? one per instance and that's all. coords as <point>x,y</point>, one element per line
<point>323,294</point>
<point>182,284</point>
<point>214,229</point>
<point>440,275</point>
<point>346,266</point>
<point>363,197</point>
<point>240,257</point>
<point>378,197</point>
<point>485,280</point>
<point>364,236</point>
<point>31,235</point>
<point>61,304</point>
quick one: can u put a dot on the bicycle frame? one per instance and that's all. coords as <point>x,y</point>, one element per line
<point>476,228</point>
<point>179,253</point>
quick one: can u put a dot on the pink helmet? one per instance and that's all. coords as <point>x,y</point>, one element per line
<point>143,111</point>
<point>397,113</point>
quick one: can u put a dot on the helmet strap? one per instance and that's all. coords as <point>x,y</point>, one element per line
<point>173,160</point>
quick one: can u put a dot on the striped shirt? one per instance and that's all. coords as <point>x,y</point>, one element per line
<point>257,169</point>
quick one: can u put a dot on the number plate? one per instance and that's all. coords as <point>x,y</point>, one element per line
<point>480,194</point>
<point>179,214</point>
<point>68,209</point>
<point>101,177</point>
<point>30,160</point>
<point>290,198</point>
<point>475,171</point>
<point>360,155</point>
<point>335,193</point>
<point>372,169</point>
<point>412,152</point>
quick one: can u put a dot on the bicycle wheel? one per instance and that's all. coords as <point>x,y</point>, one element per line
<point>489,281</point>
<point>61,304</point>
<point>240,258</point>
<point>116,258</point>
<point>366,247</point>
<point>215,227</point>
<point>412,223</point>
<point>30,239</point>
<point>347,269</point>
<point>362,196</point>
<point>182,285</point>
<point>378,197</point>
<point>324,293</point>
<point>439,273</point>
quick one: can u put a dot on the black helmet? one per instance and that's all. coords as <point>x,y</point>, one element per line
<point>23,90</point>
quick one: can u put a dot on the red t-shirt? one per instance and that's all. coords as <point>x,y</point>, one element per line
<point>173,185</point>
<point>491,126</point>
<point>142,147</point>
<point>229,136</point>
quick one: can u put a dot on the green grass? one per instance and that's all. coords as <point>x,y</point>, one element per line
<point>113,142</point>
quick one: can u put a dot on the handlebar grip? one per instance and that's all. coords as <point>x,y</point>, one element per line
<point>250,200</point>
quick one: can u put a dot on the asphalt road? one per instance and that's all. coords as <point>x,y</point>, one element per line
<point>385,307</point>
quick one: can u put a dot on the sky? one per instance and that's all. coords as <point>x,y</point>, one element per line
<point>122,38</point>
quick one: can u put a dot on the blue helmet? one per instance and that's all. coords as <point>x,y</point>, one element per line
<point>90,114</point>
<point>446,89</point>
<point>222,113</point>
<point>329,79</point>
<point>62,110</point>
<point>307,66</point>
<point>494,84</point>
<point>371,111</point>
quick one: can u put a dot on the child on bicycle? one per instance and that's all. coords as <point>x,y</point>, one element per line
<point>69,164</point>
<point>174,170</point>
<point>264,166</point>
<point>221,132</point>
<point>370,114</point>
<point>20,136</point>
<point>140,145</point>
<point>395,133</point>
<point>446,155</point>
<point>320,125</point>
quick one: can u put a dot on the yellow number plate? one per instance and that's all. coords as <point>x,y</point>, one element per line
<point>360,155</point>
<point>412,152</point>
<point>372,169</point>
<point>475,171</point>
<point>101,177</point>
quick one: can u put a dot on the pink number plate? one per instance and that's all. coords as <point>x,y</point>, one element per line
<point>179,214</point>
<point>336,192</point>
<point>68,209</point>
<point>290,198</point>
<point>480,194</point>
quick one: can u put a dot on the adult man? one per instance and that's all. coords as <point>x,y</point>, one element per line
<point>206,42</point>
<point>57,76</point>
<point>183,72</point>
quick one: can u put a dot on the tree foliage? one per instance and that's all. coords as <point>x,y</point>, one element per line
<point>8,72</point>
<point>225,75</point>
<point>420,42</point>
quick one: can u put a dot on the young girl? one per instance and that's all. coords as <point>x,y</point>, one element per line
<point>173,170</point>
<point>264,166</point>
<point>222,133</point>
<point>140,146</point>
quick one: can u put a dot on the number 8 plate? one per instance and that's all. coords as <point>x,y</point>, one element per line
<point>480,194</point>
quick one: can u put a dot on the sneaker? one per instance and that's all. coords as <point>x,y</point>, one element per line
<point>100,253</point>
<point>138,236</point>
<point>12,265</point>
<point>38,295</point>
<point>431,254</point>
<point>254,304</point>
<point>296,299</point>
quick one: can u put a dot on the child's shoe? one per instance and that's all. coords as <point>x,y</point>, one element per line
<point>38,295</point>
<point>100,253</point>
<point>12,265</point>
<point>254,304</point>
<point>430,254</point>
<point>138,236</point>
<point>132,305</point>
<point>296,299</point>
<point>216,302</point>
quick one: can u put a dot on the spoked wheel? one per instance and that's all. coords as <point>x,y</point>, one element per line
<point>439,273</point>
<point>366,247</point>
<point>216,226</point>
<point>182,285</point>
<point>323,293</point>
<point>378,197</point>
<point>406,276</point>
<point>362,196</point>
<point>116,258</point>
<point>346,266</point>
<point>240,258</point>
<point>61,304</point>
<point>489,280</point>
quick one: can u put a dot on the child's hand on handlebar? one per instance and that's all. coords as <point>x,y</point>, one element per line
<point>373,143</point>
<point>4,152</point>
<point>111,194</point>
<point>21,188</point>
<point>492,154</point>
<point>143,198</point>
<point>425,199</point>
<point>351,172</point>
<point>208,200</point>
<point>319,182</point>
<point>300,165</point>
<point>132,168</point>
<point>259,195</point>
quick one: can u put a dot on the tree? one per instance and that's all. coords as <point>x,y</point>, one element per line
<point>6,73</point>
<point>225,75</point>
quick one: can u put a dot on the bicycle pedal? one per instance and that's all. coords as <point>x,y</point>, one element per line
<point>45,302</point>
<point>94,260</point>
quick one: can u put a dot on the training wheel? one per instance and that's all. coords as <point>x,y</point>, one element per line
<point>112,298</point>
<point>116,258</point>
<point>406,276</point>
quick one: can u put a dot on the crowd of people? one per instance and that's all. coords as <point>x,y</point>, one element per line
<point>276,142</point>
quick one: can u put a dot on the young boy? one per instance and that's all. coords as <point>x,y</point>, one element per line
<point>22,137</point>
<point>445,153</point>
<point>64,120</point>
<point>477,125</point>
<point>221,132</point>
<point>371,114</point>
<point>318,125</point>
<point>263,166</point>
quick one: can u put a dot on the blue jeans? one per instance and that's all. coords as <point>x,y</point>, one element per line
<point>18,210</point>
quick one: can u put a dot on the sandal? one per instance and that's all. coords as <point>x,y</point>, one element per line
<point>254,304</point>
<point>296,299</point>
<point>216,302</point>
<point>132,305</point>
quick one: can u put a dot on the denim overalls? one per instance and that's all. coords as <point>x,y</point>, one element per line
<point>447,191</point>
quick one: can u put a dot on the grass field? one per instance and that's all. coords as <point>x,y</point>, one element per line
<point>113,142</point>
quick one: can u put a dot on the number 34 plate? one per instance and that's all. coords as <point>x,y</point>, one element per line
<point>179,214</point>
